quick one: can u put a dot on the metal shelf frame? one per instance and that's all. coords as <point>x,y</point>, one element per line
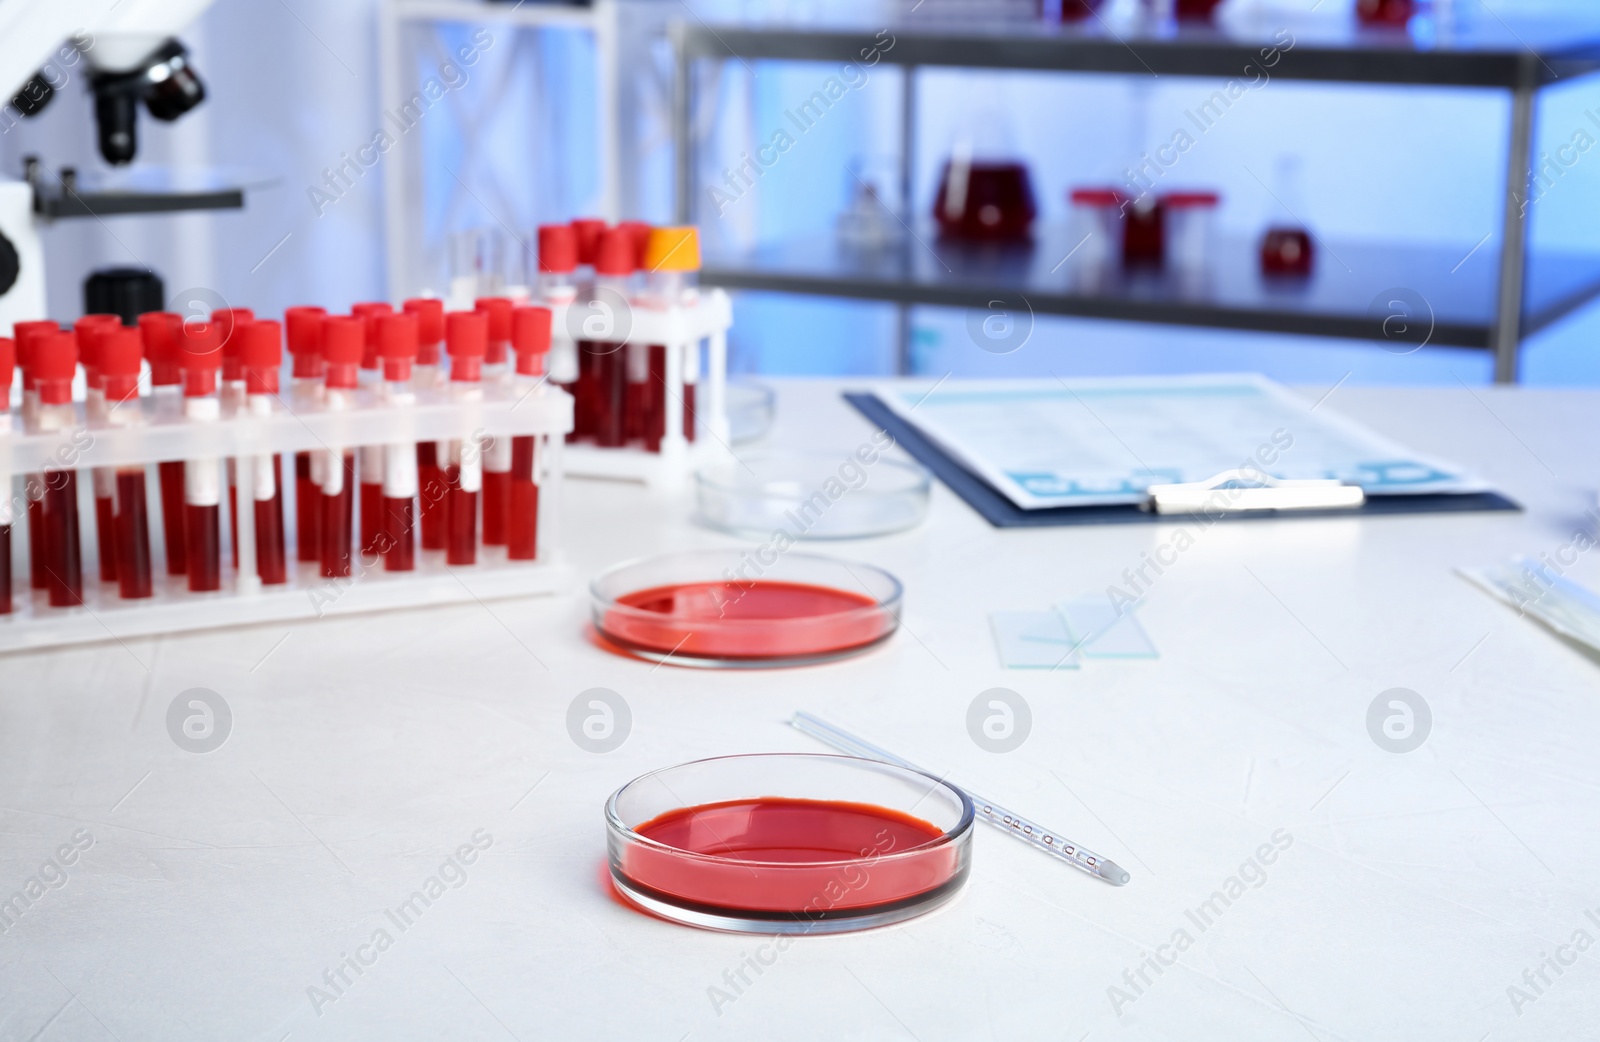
<point>1497,58</point>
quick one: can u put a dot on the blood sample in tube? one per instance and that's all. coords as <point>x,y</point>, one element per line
<point>558,261</point>
<point>466,336</point>
<point>27,334</point>
<point>55,361</point>
<point>120,353</point>
<point>162,333</point>
<point>261,351</point>
<point>531,337</point>
<point>201,351</point>
<point>397,345</point>
<point>588,231</point>
<point>90,329</point>
<point>8,366</point>
<point>497,454</point>
<point>371,456</point>
<point>672,259</point>
<point>230,321</point>
<point>607,321</point>
<point>343,340</point>
<point>426,375</point>
<point>303,326</point>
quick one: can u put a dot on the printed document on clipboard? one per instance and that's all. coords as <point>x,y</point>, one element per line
<point>1098,442</point>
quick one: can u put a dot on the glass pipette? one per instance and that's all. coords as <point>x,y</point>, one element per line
<point>1012,823</point>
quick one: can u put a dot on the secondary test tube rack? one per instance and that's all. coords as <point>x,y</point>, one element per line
<point>544,413</point>
<point>700,328</point>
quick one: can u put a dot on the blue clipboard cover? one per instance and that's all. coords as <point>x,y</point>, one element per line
<point>1000,512</point>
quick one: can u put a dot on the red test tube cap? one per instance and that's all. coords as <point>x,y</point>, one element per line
<point>558,248</point>
<point>530,335</point>
<point>639,232</point>
<point>121,350</point>
<point>429,313</point>
<point>27,335</point>
<point>588,231</point>
<point>261,351</point>
<point>8,368</point>
<point>200,355</point>
<point>467,338</point>
<point>617,253</point>
<point>162,332</point>
<point>344,339</point>
<point>369,312</point>
<point>55,361</point>
<point>303,326</point>
<point>397,345</point>
<point>89,330</point>
<point>498,312</point>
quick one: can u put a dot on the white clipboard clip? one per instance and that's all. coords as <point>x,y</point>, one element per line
<point>1239,491</point>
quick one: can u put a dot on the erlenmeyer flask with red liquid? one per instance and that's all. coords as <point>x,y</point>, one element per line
<point>1385,12</point>
<point>985,192</point>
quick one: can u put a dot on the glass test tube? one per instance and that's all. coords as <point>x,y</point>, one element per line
<point>343,340</point>
<point>303,326</point>
<point>371,456</point>
<point>8,366</point>
<point>397,344</point>
<point>262,355</point>
<point>497,453</point>
<point>89,330</point>
<point>229,322</point>
<point>55,362</point>
<point>467,335</point>
<point>27,335</point>
<point>428,375</point>
<point>201,347</point>
<point>558,259</point>
<point>531,337</point>
<point>162,333</point>
<point>672,258</point>
<point>119,356</point>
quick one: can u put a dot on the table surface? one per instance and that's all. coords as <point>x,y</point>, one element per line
<point>1414,891</point>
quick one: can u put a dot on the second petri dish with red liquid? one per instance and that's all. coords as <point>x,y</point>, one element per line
<point>744,609</point>
<point>788,843</point>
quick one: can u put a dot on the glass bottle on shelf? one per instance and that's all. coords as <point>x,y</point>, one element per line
<point>1385,12</point>
<point>871,220</point>
<point>1286,247</point>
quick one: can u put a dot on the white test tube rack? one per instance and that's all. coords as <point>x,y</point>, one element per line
<point>242,437</point>
<point>680,330</point>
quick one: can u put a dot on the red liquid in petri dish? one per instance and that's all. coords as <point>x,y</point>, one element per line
<point>758,619</point>
<point>997,204</point>
<point>1385,12</point>
<point>780,858</point>
<point>1286,251</point>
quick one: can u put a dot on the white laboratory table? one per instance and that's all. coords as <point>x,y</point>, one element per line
<point>1405,895</point>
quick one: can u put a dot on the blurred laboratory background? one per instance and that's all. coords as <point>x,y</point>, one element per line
<point>532,113</point>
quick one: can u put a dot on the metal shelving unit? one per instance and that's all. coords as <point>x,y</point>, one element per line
<point>1502,301</point>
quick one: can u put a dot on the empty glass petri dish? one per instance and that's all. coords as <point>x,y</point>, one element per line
<point>811,495</point>
<point>752,608</point>
<point>751,407</point>
<point>788,843</point>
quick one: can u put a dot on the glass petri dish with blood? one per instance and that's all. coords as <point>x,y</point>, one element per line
<point>812,495</point>
<point>788,843</point>
<point>754,608</point>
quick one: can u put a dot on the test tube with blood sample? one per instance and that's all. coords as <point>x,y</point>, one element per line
<point>371,456</point>
<point>636,401</point>
<point>55,362</point>
<point>530,335</point>
<point>672,261</point>
<point>426,375</point>
<point>607,321</point>
<point>162,332</point>
<point>303,326</point>
<point>201,346</point>
<point>89,329</point>
<point>397,345</point>
<point>497,453</point>
<point>558,260</point>
<point>466,336</point>
<point>28,334</point>
<point>119,354</point>
<point>261,352</point>
<point>229,322</point>
<point>343,339</point>
<point>588,232</point>
<point>8,366</point>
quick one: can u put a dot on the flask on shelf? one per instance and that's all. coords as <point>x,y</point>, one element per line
<point>1287,250</point>
<point>1395,13</point>
<point>985,192</point>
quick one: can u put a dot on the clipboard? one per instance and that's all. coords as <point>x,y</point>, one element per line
<point>1002,513</point>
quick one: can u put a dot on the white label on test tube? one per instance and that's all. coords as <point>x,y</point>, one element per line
<point>266,483</point>
<point>497,456</point>
<point>471,479</point>
<point>202,479</point>
<point>563,361</point>
<point>372,464</point>
<point>6,515</point>
<point>638,363</point>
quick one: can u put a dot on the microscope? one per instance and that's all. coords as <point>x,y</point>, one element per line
<point>129,56</point>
